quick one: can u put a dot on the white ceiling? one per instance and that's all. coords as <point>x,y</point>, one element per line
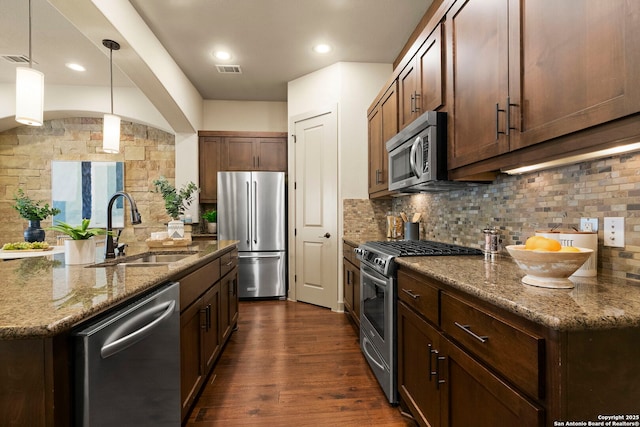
<point>270,40</point>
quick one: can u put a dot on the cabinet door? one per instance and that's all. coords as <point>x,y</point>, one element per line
<point>408,93</point>
<point>348,278</point>
<point>477,52</point>
<point>234,298</point>
<point>431,67</point>
<point>418,363</point>
<point>474,396</point>
<point>383,124</point>
<point>271,154</point>
<point>192,323</point>
<point>579,66</point>
<point>225,323</point>
<point>211,331</point>
<point>356,294</point>
<point>209,160</point>
<point>238,154</point>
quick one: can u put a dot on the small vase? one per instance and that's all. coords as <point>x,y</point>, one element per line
<point>79,251</point>
<point>176,229</point>
<point>34,233</point>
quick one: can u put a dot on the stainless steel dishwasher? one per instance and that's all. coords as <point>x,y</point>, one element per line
<point>128,364</point>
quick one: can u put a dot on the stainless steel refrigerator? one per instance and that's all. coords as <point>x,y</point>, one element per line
<point>252,209</point>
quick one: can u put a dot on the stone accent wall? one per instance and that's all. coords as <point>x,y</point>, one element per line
<point>521,204</point>
<point>25,162</point>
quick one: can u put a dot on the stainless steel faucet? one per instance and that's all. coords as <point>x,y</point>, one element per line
<point>109,251</point>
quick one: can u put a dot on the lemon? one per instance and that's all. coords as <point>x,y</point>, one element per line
<point>569,249</point>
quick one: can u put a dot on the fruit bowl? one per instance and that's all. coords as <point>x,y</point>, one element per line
<point>548,269</point>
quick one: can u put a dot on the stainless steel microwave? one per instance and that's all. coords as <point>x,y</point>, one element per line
<point>418,155</point>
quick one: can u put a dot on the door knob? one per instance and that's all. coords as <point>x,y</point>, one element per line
<point>326,235</point>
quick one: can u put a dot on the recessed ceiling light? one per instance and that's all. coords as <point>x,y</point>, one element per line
<point>75,67</point>
<point>221,54</point>
<point>322,48</point>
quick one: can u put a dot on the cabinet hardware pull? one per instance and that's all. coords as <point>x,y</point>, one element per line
<point>203,318</point>
<point>410,293</point>
<point>498,111</point>
<point>431,353</point>
<point>508,119</point>
<point>438,360</point>
<point>413,100</point>
<point>467,329</point>
<point>208,317</point>
<point>378,175</point>
<point>228,264</point>
<point>416,105</point>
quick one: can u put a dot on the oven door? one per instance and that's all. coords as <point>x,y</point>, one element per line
<point>377,311</point>
<point>405,164</point>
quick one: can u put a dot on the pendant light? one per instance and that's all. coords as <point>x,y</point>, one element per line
<point>29,90</point>
<point>111,122</point>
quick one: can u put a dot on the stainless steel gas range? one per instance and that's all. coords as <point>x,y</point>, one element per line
<point>378,300</point>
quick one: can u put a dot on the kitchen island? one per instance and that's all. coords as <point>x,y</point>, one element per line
<point>43,300</point>
<point>478,347</point>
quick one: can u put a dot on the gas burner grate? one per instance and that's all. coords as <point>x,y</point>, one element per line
<point>403,248</point>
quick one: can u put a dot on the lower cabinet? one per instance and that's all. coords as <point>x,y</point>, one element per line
<point>351,285</point>
<point>443,383</point>
<point>209,312</point>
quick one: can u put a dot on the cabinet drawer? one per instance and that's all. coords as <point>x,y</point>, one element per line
<point>228,262</point>
<point>195,284</point>
<point>348,253</point>
<point>419,295</point>
<point>512,351</point>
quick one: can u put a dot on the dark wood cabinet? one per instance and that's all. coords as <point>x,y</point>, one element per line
<point>192,323</point>
<point>420,83</point>
<point>383,124</point>
<point>524,73</point>
<point>237,151</point>
<point>351,285</point>
<point>209,161</point>
<point>210,314</point>
<point>254,154</point>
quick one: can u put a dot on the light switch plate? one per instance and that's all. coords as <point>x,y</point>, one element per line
<point>614,231</point>
<point>589,224</point>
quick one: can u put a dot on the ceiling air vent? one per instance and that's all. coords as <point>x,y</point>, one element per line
<point>229,69</point>
<point>16,59</point>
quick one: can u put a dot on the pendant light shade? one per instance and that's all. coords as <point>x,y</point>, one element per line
<point>29,90</point>
<point>111,134</point>
<point>111,122</point>
<point>29,96</point>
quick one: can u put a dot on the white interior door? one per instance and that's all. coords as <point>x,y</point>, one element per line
<point>316,213</point>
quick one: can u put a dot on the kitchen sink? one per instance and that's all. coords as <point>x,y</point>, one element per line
<point>148,259</point>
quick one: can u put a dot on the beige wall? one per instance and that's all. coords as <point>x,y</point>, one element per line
<point>25,162</point>
<point>245,116</point>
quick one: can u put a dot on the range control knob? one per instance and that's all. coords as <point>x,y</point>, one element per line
<point>359,251</point>
<point>380,262</point>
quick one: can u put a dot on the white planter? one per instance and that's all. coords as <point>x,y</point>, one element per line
<point>176,229</point>
<point>212,227</point>
<point>79,251</point>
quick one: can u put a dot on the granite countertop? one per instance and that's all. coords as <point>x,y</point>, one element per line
<point>42,296</point>
<point>595,303</point>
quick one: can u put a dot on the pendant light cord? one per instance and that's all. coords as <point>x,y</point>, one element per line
<point>30,56</point>
<point>111,75</point>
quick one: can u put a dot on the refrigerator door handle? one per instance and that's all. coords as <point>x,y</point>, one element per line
<point>255,212</point>
<point>248,215</point>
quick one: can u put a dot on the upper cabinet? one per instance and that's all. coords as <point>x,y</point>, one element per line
<point>238,151</point>
<point>254,154</point>
<point>527,72</point>
<point>383,124</point>
<point>521,81</point>
<point>420,82</point>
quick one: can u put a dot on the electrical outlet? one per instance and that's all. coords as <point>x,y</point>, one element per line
<point>589,224</point>
<point>614,231</point>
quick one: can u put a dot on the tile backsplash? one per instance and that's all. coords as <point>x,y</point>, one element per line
<point>521,204</point>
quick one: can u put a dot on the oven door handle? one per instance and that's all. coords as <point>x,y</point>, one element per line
<point>413,157</point>
<point>374,276</point>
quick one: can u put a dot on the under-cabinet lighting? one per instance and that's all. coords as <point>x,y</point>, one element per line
<point>575,159</point>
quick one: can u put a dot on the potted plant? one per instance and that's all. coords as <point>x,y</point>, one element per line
<point>33,212</point>
<point>211,216</point>
<point>81,247</point>
<point>175,203</point>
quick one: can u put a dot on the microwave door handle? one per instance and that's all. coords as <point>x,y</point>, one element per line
<point>413,157</point>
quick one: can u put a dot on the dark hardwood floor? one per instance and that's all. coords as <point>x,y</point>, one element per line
<point>293,364</point>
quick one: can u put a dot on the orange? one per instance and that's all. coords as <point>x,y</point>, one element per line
<point>569,249</point>
<point>541,243</point>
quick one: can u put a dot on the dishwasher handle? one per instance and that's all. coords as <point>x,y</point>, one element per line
<point>120,343</point>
